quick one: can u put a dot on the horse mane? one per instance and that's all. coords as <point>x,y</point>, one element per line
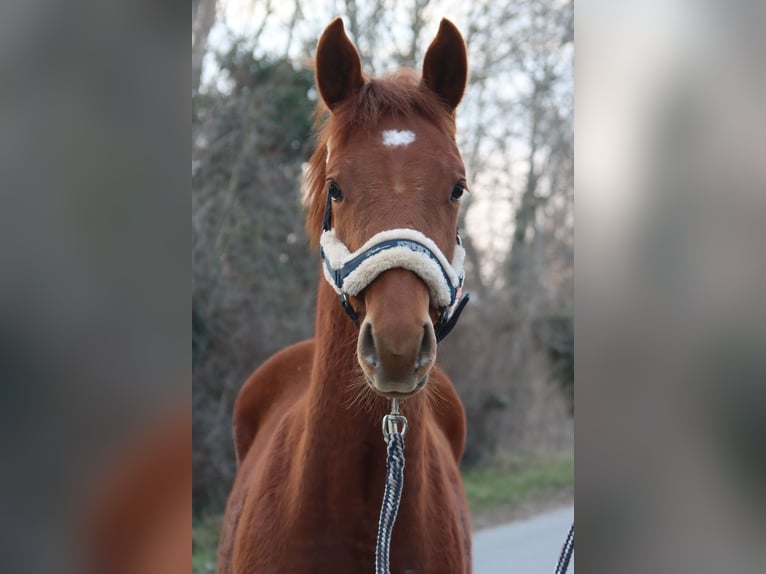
<point>398,94</point>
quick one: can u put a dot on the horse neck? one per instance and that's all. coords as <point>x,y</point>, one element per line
<point>337,396</point>
<point>342,447</point>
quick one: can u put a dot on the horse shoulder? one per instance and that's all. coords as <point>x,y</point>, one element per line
<point>281,378</point>
<point>448,411</point>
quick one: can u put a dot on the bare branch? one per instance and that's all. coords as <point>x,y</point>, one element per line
<point>201,26</point>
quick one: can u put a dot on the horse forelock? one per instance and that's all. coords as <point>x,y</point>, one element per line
<point>399,94</point>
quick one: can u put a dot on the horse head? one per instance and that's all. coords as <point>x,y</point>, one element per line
<point>386,183</point>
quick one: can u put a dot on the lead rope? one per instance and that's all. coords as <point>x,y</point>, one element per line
<point>394,482</point>
<point>566,552</point>
<point>392,495</point>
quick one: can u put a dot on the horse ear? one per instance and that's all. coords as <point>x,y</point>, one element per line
<point>445,69</point>
<point>338,67</point>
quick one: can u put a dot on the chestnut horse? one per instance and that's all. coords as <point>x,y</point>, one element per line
<point>311,457</point>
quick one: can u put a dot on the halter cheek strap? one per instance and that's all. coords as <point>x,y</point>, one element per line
<point>349,273</point>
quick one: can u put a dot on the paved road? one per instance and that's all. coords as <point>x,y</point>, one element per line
<point>529,546</point>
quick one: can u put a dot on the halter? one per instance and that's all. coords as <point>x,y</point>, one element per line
<point>349,273</point>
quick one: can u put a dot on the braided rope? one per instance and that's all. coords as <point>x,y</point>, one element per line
<point>566,553</point>
<point>391,497</point>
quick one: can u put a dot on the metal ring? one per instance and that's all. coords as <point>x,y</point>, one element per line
<point>390,425</point>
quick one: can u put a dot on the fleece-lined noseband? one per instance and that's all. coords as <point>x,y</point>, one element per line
<point>349,273</point>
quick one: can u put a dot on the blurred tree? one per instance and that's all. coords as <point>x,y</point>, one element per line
<point>515,355</point>
<point>203,18</point>
<point>253,277</point>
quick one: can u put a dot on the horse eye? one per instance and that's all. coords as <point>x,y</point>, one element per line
<point>457,192</point>
<point>334,191</point>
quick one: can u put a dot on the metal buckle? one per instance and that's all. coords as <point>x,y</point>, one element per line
<point>390,425</point>
<point>391,422</point>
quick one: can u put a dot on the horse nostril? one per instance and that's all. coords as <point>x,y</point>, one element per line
<point>427,343</point>
<point>366,348</point>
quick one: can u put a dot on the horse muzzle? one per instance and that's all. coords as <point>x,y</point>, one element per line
<point>396,359</point>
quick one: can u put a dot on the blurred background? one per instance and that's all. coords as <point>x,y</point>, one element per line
<point>670,286</point>
<point>255,278</point>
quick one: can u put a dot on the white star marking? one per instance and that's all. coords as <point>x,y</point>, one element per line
<point>395,138</point>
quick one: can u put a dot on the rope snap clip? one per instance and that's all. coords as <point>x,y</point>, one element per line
<point>391,422</point>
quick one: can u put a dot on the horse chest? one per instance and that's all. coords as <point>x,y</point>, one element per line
<point>321,515</point>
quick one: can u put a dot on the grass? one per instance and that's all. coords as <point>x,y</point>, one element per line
<point>499,489</point>
<point>514,482</point>
<point>205,534</point>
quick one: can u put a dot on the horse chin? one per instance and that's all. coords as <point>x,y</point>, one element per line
<point>398,390</point>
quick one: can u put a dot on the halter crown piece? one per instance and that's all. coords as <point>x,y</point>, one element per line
<point>349,273</point>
